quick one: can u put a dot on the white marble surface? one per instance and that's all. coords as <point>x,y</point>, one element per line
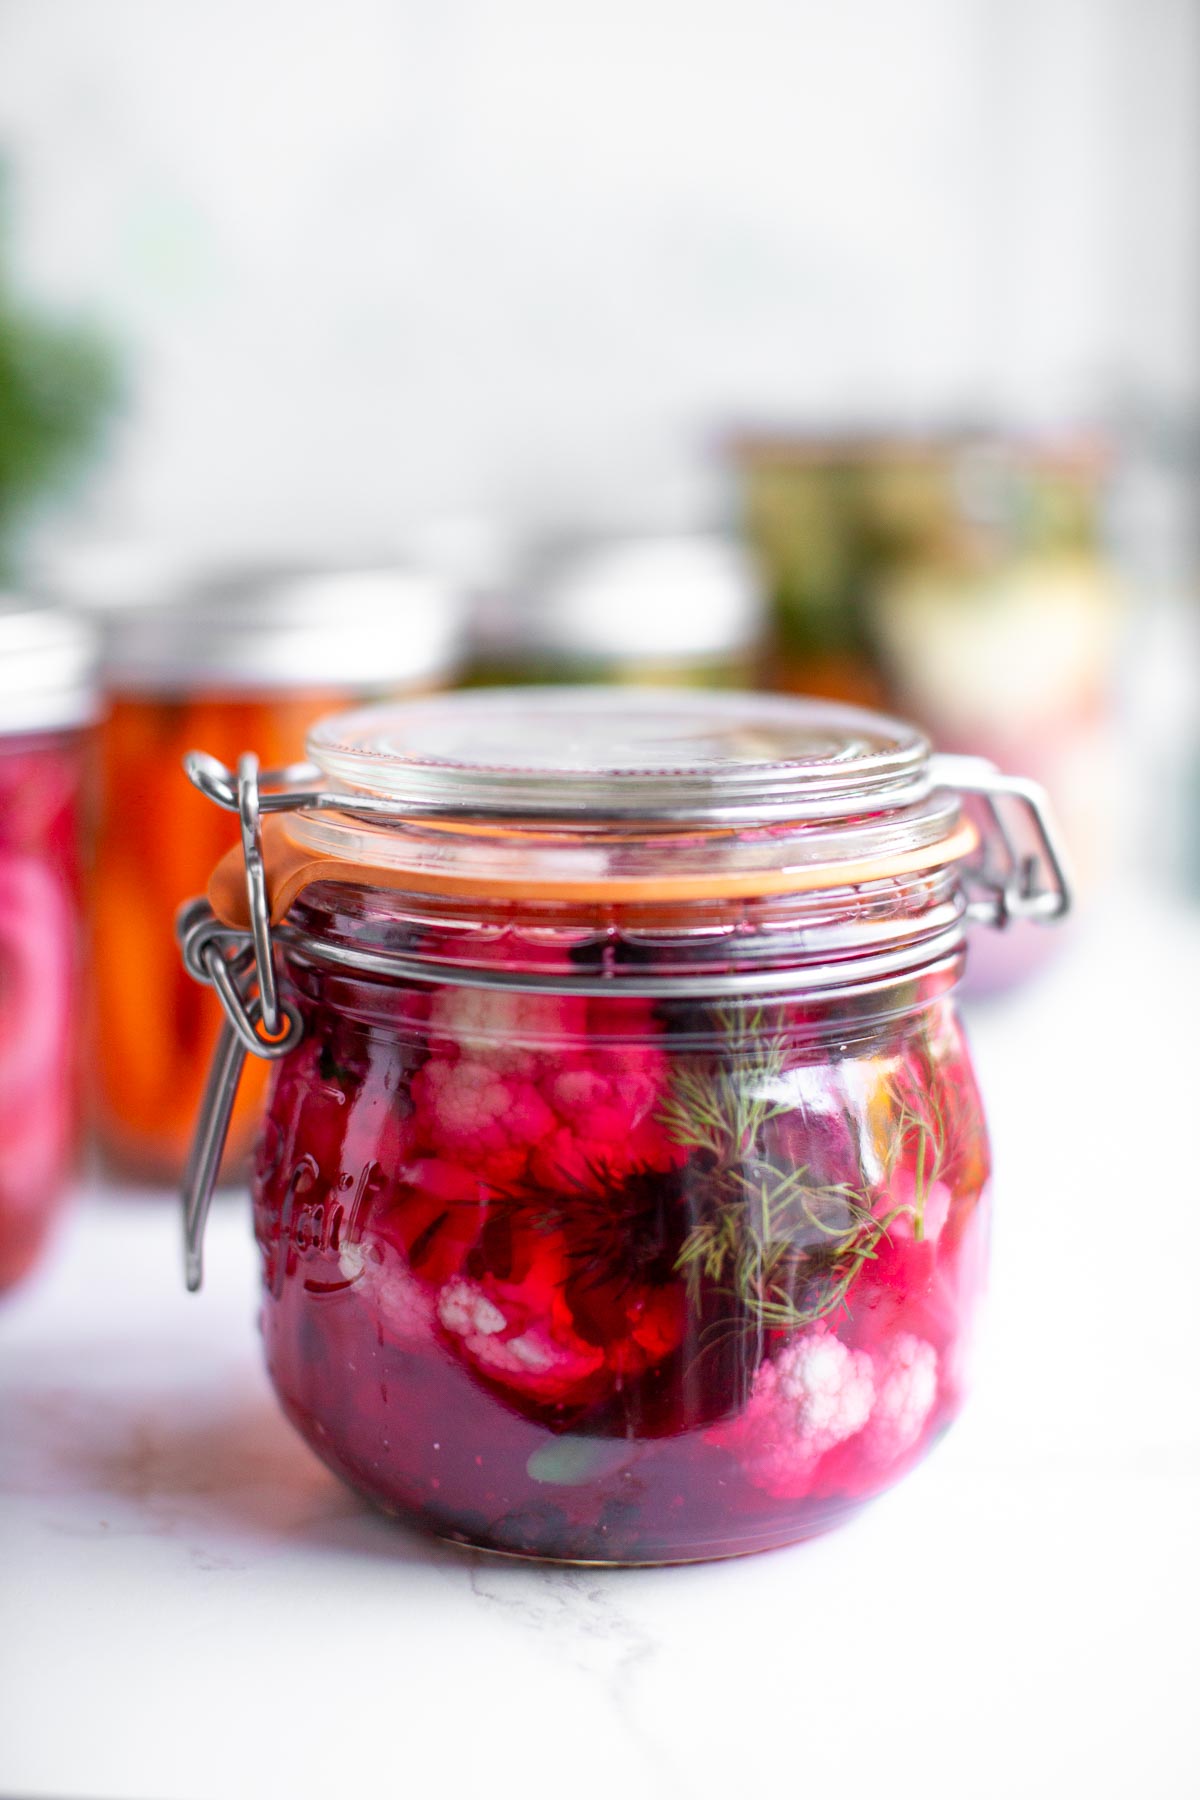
<point>194,1608</point>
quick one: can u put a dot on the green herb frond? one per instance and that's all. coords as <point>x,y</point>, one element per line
<point>783,1248</point>
<point>719,1105</point>
<point>922,1129</point>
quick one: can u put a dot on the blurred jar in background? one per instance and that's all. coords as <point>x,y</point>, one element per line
<point>47,703</point>
<point>964,582</point>
<point>683,610</point>
<point>811,511</point>
<point>243,660</point>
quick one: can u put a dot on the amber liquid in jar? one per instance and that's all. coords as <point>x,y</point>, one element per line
<point>154,1029</point>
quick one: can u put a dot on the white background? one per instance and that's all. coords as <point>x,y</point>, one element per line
<point>377,258</point>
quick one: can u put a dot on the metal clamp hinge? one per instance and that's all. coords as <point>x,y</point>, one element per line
<point>1022,871</point>
<point>240,966</point>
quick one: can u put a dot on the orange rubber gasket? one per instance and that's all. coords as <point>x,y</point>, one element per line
<point>290,868</point>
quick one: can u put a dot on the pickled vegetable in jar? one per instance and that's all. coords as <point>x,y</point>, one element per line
<point>47,704</point>
<point>240,662</point>
<point>623,1191</point>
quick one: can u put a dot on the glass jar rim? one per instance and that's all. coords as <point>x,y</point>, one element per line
<point>596,755</point>
<point>624,794</point>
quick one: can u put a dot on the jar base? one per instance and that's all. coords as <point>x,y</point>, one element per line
<point>627,1562</point>
<point>687,1558</point>
<point>439,1525</point>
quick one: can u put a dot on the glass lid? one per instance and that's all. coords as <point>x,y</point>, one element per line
<point>622,793</point>
<point>583,757</point>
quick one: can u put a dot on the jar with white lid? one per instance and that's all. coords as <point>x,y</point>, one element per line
<point>47,704</point>
<point>243,659</point>
<point>682,609</point>
<point>623,1191</point>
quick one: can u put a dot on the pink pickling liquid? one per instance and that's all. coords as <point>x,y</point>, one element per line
<point>41,779</point>
<point>477,1215</point>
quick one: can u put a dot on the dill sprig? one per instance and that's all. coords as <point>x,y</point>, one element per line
<point>783,1247</point>
<point>618,1231</point>
<point>719,1105</point>
<point>921,1128</point>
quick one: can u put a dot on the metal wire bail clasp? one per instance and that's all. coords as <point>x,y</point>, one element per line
<point>240,965</point>
<point>1023,870</point>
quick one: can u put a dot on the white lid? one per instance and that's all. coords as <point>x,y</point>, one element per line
<point>276,626</point>
<point>677,598</point>
<point>97,574</point>
<point>47,667</point>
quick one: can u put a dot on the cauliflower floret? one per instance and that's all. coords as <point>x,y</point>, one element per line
<point>383,1281</point>
<point>577,1091</point>
<point>814,1395</point>
<point>463,1307</point>
<point>469,1111</point>
<point>906,1388</point>
<point>603,1107</point>
<point>609,1124</point>
<point>517,1089</point>
<point>519,1352</point>
<point>495,1027</point>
